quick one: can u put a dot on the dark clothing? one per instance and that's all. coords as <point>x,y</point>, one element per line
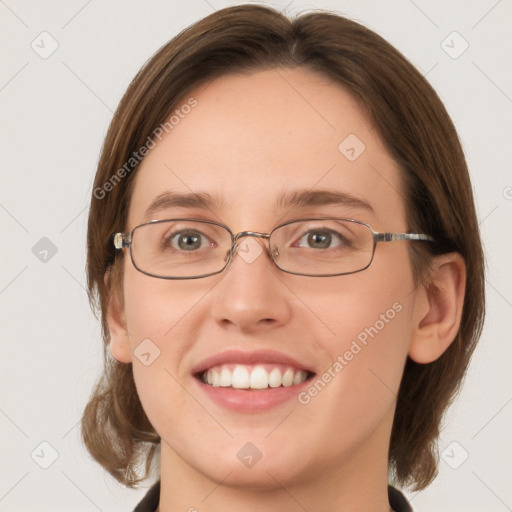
<point>150,502</point>
<point>397,500</point>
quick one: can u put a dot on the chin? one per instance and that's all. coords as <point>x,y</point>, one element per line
<point>259,466</point>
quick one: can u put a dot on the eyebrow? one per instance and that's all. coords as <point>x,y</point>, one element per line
<point>295,199</point>
<point>305,198</point>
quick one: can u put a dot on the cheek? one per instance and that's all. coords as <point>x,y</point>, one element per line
<point>371,357</point>
<point>160,310</point>
<point>369,320</point>
<point>369,337</point>
<point>373,305</point>
<point>163,322</point>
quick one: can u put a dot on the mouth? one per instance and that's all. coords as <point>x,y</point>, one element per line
<point>251,381</point>
<point>253,377</point>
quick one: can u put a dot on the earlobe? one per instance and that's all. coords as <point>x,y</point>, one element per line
<point>119,339</point>
<point>438,309</point>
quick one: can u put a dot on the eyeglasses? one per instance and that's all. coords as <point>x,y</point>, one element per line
<point>317,247</point>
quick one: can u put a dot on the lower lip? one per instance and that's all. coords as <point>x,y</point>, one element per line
<point>251,400</point>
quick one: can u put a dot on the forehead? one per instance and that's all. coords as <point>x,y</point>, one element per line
<point>252,139</point>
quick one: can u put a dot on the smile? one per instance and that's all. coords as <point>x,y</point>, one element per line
<point>259,376</point>
<point>251,381</point>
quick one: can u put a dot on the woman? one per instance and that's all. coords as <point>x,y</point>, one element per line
<point>284,249</point>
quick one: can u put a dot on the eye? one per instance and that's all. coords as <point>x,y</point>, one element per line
<point>186,240</point>
<point>321,239</point>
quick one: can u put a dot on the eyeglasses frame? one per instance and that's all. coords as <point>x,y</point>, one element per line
<point>124,241</point>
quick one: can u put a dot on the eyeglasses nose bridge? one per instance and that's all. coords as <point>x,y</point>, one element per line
<point>236,238</point>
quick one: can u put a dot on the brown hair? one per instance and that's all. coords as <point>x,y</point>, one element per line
<point>416,130</point>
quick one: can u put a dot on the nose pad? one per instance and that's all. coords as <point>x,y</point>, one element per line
<point>230,252</point>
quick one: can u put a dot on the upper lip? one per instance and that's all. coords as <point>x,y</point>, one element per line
<point>254,357</point>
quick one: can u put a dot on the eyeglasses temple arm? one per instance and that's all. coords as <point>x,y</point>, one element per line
<point>391,237</point>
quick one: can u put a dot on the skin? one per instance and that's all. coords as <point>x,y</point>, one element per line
<point>250,138</point>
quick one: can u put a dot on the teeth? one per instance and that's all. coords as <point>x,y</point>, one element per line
<point>253,377</point>
<point>259,378</point>
<point>274,378</point>
<point>225,378</point>
<point>288,378</point>
<point>240,377</point>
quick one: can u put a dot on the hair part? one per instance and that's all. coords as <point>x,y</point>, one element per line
<point>414,127</point>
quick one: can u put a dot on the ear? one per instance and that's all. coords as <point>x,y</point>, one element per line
<point>438,309</point>
<point>119,339</point>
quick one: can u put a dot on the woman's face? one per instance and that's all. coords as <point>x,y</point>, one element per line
<point>251,140</point>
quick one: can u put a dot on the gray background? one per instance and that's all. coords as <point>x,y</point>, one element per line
<point>55,112</point>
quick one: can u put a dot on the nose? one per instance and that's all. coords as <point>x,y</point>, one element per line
<point>251,295</point>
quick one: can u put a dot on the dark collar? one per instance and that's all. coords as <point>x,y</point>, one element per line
<point>150,501</point>
<point>397,500</point>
